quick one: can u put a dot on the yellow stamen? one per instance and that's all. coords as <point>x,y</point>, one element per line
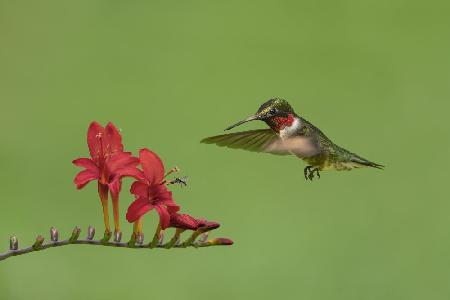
<point>173,170</point>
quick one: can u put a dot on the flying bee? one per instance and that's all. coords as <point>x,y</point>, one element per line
<point>179,180</point>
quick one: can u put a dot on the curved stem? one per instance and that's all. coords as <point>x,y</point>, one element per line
<point>174,239</point>
<point>67,242</point>
<point>156,237</point>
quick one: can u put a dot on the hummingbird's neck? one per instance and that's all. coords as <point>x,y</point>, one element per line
<point>280,123</point>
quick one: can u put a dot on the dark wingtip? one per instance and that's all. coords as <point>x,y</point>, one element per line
<point>367,163</point>
<point>377,166</point>
<point>208,140</point>
<point>373,165</point>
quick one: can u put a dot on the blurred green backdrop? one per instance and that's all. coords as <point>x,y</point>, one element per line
<point>374,75</point>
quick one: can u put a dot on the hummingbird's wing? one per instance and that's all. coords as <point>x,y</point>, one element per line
<point>260,140</point>
<point>265,140</point>
<point>301,146</point>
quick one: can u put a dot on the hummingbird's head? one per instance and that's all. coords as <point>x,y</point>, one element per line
<point>276,112</point>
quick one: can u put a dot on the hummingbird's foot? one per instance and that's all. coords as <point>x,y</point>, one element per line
<point>306,171</point>
<point>309,172</point>
<point>317,172</point>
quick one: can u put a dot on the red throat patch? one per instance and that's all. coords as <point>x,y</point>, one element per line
<point>280,123</point>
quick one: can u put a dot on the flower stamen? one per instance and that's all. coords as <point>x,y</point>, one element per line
<point>173,170</point>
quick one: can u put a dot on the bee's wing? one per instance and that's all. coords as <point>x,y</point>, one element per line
<point>261,140</point>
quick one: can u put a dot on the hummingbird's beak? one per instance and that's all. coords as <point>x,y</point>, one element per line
<point>252,118</point>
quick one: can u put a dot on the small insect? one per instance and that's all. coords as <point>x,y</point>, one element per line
<point>179,180</point>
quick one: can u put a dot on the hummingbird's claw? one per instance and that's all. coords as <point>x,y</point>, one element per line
<point>309,172</point>
<point>305,171</point>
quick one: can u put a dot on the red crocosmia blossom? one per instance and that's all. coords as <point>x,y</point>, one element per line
<point>151,192</point>
<point>183,221</point>
<point>206,225</point>
<point>221,241</point>
<point>108,164</point>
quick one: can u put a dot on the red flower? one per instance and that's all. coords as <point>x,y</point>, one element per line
<point>108,164</point>
<point>206,225</point>
<point>151,192</point>
<point>183,221</point>
<point>220,241</point>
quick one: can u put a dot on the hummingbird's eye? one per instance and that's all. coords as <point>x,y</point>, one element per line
<point>273,111</point>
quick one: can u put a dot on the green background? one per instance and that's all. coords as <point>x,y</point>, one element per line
<point>373,75</point>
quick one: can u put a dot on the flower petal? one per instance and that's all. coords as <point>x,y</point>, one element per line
<point>164,216</point>
<point>121,160</point>
<point>169,203</point>
<point>139,189</point>
<point>95,131</point>
<point>115,186</point>
<point>84,177</point>
<point>128,172</point>
<point>85,163</point>
<point>114,138</point>
<point>152,166</point>
<point>166,198</point>
<point>138,208</point>
<point>103,192</point>
<point>159,192</point>
<point>206,225</point>
<point>183,221</point>
<point>173,208</point>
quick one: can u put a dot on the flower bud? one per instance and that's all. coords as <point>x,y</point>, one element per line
<point>220,241</point>
<point>13,243</point>
<point>161,238</point>
<point>132,241</point>
<point>183,221</point>
<point>90,233</point>
<point>38,243</point>
<point>140,238</point>
<point>117,236</point>
<point>106,236</point>
<point>205,225</point>
<point>203,238</point>
<point>54,235</point>
<point>75,234</point>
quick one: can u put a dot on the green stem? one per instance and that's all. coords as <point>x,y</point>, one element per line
<point>174,239</point>
<point>154,242</point>
<point>48,245</point>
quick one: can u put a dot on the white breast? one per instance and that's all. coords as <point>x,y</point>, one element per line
<point>290,130</point>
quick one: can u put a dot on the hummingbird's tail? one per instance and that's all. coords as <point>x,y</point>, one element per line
<point>364,162</point>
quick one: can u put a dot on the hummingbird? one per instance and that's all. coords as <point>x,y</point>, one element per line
<point>291,134</point>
